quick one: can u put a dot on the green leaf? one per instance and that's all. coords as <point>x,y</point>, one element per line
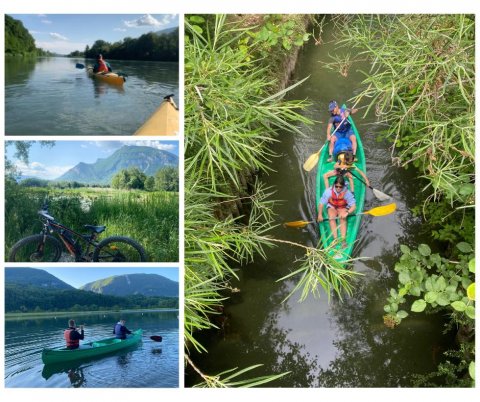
<point>443,299</point>
<point>197,29</point>
<point>402,292</point>
<point>471,265</point>
<point>387,308</point>
<point>424,250</point>
<point>429,284</point>
<point>417,276</point>
<point>418,306</point>
<point>440,284</point>
<point>196,19</point>
<point>471,370</point>
<point>466,189</point>
<point>459,306</point>
<point>430,297</point>
<point>415,291</point>
<point>394,307</point>
<point>404,249</point>
<point>402,314</point>
<point>404,278</point>
<point>464,247</point>
<point>470,312</point>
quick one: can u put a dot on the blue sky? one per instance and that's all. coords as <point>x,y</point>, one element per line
<point>51,163</point>
<point>77,277</point>
<point>64,33</point>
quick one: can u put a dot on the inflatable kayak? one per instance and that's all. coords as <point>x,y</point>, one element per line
<point>91,349</point>
<point>353,221</point>
<point>164,121</point>
<point>111,78</point>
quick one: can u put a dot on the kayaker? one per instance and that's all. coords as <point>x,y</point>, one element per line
<point>101,66</point>
<point>343,167</point>
<point>120,330</point>
<point>72,336</point>
<point>339,122</point>
<point>340,202</point>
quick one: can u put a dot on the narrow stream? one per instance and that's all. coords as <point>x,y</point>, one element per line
<point>322,344</point>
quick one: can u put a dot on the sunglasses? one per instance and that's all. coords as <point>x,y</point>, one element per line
<point>338,186</point>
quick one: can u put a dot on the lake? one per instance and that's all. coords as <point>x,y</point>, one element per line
<point>50,96</point>
<point>149,364</point>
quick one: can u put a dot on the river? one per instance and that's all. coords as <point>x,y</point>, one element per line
<point>50,96</point>
<point>322,344</point>
<point>149,364</point>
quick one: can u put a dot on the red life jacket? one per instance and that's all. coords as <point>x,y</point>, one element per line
<point>71,343</point>
<point>102,66</point>
<point>338,200</point>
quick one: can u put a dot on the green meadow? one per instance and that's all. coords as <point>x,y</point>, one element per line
<point>150,218</point>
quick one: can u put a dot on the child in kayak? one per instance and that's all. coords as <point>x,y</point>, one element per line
<point>343,167</point>
<point>101,66</point>
<point>341,127</point>
<point>72,336</point>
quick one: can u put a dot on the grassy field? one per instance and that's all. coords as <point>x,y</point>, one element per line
<point>151,218</point>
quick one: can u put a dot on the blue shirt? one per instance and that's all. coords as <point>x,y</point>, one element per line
<point>328,193</point>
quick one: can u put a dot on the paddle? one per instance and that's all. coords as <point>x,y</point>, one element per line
<point>156,338</point>
<point>377,193</point>
<point>377,211</point>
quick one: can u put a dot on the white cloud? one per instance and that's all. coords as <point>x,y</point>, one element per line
<point>120,29</point>
<point>38,169</point>
<point>46,21</point>
<point>152,144</point>
<point>61,47</point>
<point>145,20</point>
<point>57,36</point>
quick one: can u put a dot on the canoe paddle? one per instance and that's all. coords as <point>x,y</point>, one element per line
<point>377,193</point>
<point>377,211</point>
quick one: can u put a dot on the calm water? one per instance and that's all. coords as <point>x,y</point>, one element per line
<point>337,344</point>
<point>49,96</point>
<point>147,365</point>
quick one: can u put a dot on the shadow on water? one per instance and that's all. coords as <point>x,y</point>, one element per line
<point>322,344</point>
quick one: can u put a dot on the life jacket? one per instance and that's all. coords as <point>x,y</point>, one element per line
<point>71,343</point>
<point>117,330</point>
<point>101,66</point>
<point>338,200</point>
<point>337,119</point>
<point>342,145</point>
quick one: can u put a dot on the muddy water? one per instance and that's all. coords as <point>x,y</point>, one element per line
<point>322,343</point>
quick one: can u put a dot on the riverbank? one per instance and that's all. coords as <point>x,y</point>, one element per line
<point>20,316</point>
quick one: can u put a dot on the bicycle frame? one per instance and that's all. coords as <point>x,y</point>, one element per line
<point>65,233</point>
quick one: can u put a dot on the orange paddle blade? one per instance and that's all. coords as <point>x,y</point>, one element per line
<point>297,224</point>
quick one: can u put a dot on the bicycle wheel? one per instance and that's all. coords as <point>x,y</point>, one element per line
<point>119,249</point>
<point>35,249</point>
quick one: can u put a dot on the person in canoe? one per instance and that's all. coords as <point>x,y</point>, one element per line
<point>339,124</point>
<point>343,167</point>
<point>72,336</point>
<point>340,202</point>
<point>120,330</point>
<point>101,66</point>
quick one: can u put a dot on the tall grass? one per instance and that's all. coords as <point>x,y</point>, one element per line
<point>150,218</point>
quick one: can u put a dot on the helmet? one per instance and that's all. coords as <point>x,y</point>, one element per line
<point>332,105</point>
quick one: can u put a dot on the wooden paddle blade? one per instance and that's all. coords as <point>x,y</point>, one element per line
<point>156,338</point>
<point>78,65</point>
<point>311,162</point>
<point>296,224</point>
<point>380,196</point>
<point>383,210</point>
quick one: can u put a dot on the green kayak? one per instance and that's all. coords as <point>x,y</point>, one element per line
<point>353,221</point>
<point>91,349</point>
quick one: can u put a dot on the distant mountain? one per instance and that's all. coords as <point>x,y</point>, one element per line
<point>166,31</point>
<point>149,160</point>
<point>134,284</point>
<point>35,277</point>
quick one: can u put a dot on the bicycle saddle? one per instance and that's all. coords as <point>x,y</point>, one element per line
<point>96,229</point>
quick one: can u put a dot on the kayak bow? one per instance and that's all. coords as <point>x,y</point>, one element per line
<point>164,121</point>
<point>91,349</point>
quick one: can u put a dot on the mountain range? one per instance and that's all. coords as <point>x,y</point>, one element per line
<point>147,159</point>
<point>120,285</point>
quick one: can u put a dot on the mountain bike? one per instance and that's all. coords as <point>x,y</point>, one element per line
<point>44,247</point>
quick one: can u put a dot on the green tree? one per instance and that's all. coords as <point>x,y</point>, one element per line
<point>166,179</point>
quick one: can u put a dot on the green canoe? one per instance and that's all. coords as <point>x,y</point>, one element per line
<point>353,221</point>
<point>91,349</point>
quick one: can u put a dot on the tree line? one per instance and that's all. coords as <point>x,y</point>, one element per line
<point>18,41</point>
<point>150,47</point>
<point>27,299</point>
